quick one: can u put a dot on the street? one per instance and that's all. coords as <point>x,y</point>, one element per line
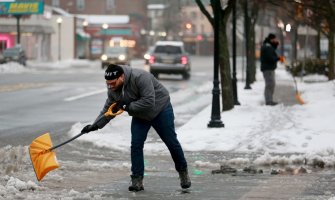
<point>54,100</point>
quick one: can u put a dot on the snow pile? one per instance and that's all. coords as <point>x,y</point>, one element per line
<point>16,184</point>
<point>13,159</point>
<point>14,188</point>
<point>18,181</point>
<point>12,67</point>
<point>63,64</point>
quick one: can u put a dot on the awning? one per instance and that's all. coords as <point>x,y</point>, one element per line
<point>27,29</point>
<point>82,35</point>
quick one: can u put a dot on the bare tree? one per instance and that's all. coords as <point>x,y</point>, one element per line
<point>321,16</point>
<point>225,72</point>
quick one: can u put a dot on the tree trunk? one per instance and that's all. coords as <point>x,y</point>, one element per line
<point>252,44</point>
<point>318,46</point>
<point>294,44</point>
<point>225,72</point>
<point>331,55</point>
<point>252,55</point>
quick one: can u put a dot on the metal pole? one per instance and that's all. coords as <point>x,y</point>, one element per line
<point>234,56</point>
<point>59,41</point>
<point>18,28</point>
<point>247,48</point>
<point>282,41</point>
<point>215,121</point>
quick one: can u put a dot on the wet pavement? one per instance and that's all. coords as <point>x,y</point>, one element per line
<point>163,182</point>
<point>318,184</point>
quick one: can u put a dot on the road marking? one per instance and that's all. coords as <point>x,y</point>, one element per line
<point>73,98</point>
<point>21,86</point>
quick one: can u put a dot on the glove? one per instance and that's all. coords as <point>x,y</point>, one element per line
<point>89,128</point>
<point>122,105</point>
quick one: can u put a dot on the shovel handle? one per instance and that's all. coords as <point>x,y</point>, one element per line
<point>110,112</point>
<point>107,114</point>
<point>75,137</point>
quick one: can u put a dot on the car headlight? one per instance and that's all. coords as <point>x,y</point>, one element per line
<point>146,56</point>
<point>122,57</point>
<point>104,57</point>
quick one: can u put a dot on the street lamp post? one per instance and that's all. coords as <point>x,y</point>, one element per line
<point>281,27</point>
<point>18,17</point>
<point>234,56</point>
<point>105,27</point>
<point>215,121</point>
<point>59,22</point>
<point>247,46</point>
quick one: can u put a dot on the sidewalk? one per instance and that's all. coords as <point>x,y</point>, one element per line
<point>165,186</point>
<point>164,183</point>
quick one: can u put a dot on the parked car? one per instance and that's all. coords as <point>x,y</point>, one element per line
<point>115,55</point>
<point>15,54</point>
<point>170,57</point>
<point>2,59</point>
<point>147,55</point>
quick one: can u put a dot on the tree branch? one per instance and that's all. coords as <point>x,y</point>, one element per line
<point>205,12</point>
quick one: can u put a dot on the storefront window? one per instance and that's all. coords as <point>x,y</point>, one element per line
<point>55,3</point>
<point>80,4</point>
<point>110,4</point>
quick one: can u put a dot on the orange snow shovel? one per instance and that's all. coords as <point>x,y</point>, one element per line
<point>297,93</point>
<point>41,150</point>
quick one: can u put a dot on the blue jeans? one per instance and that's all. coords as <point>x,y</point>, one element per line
<point>164,126</point>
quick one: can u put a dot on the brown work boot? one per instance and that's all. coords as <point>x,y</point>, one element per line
<point>185,181</point>
<point>136,183</point>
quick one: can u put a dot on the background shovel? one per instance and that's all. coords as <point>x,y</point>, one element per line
<point>297,93</point>
<point>41,150</point>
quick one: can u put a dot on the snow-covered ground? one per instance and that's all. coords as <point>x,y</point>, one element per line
<point>297,134</point>
<point>307,131</point>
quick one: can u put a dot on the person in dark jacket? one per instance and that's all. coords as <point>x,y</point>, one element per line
<point>269,59</point>
<point>148,102</point>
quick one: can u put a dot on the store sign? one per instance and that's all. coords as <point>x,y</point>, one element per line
<point>21,8</point>
<point>116,32</point>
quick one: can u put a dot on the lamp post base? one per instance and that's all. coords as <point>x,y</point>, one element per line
<point>215,124</point>
<point>247,87</point>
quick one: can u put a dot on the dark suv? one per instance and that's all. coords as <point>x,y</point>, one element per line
<point>15,54</point>
<point>170,57</point>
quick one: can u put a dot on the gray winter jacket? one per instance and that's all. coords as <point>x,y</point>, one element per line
<point>145,96</point>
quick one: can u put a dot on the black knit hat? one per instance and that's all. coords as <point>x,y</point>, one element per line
<point>271,36</point>
<point>113,72</point>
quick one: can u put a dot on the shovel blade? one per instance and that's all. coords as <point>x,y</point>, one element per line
<point>42,158</point>
<point>299,98</point>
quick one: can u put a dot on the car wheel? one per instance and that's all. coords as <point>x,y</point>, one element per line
<point>155,74</point>
<point>186,75</point>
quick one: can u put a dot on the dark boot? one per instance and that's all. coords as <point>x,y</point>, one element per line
<point>185,181</point>
<point>136,183</point>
